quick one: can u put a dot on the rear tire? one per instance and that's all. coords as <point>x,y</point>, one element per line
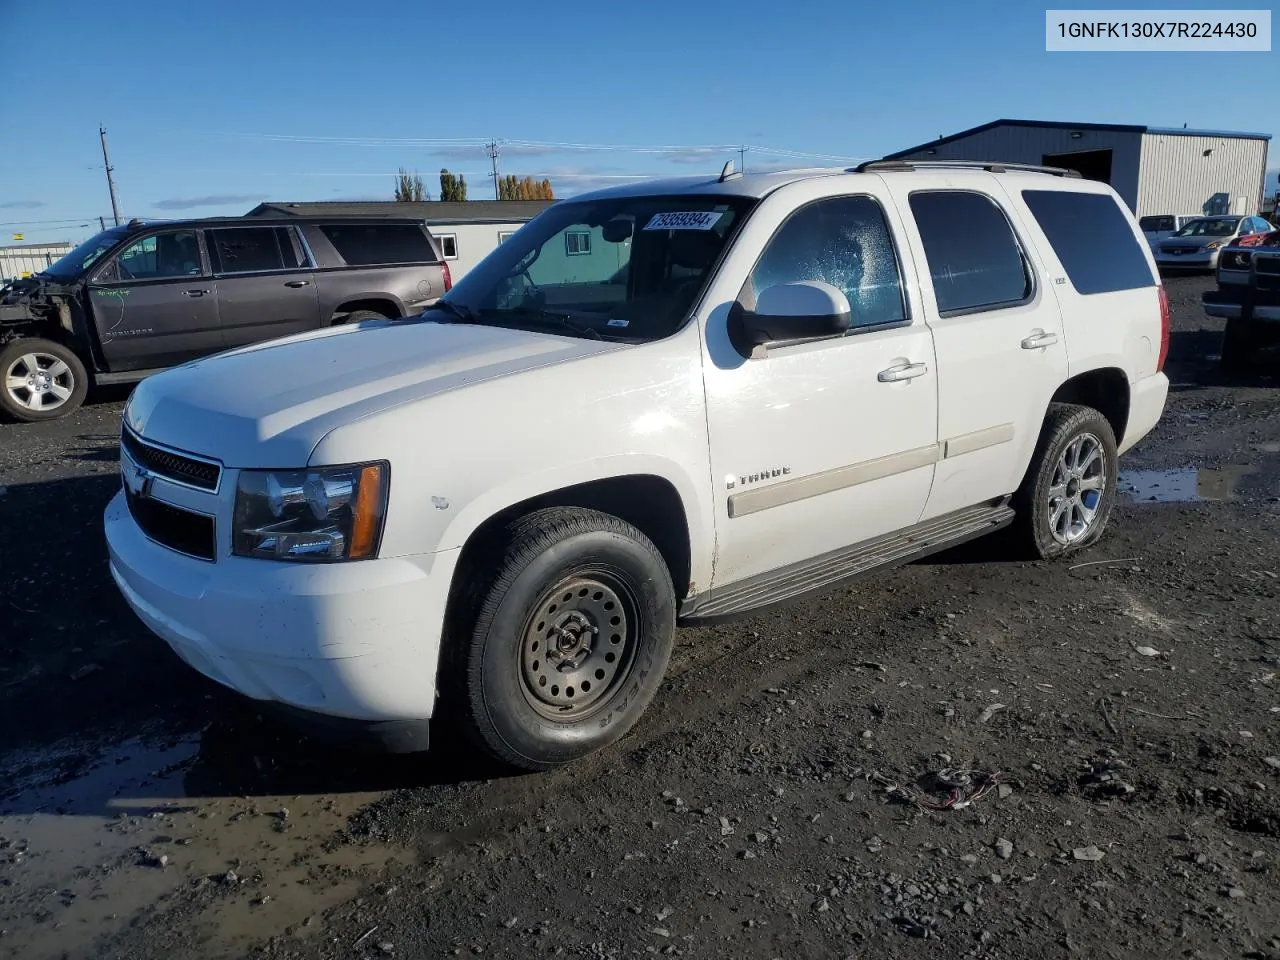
<point>359,316</point>
<point>570,641</point>
<point>1067,497</point>
<point>40,380</point>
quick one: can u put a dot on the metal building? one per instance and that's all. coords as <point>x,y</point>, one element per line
<point>1156,170</point>
<point>24,259</point>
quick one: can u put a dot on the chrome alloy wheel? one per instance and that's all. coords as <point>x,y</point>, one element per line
<point>578,645</point>
<point>39,381</point>
<point>1075,494</point>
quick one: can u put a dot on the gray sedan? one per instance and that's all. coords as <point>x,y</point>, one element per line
<point>1196,245</point>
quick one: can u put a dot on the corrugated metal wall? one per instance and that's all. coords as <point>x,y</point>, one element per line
<point>1177,177</point>
<point>23,261</point>
<point>1030,144</point>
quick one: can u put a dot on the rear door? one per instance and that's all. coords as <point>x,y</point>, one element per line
<point>1102,277</point>
<point>266,287</point>
<point>996,329</point>
<point>155,303</point>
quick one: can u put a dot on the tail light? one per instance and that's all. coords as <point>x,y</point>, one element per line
<point>448,277</point>
<point>1166,328</point>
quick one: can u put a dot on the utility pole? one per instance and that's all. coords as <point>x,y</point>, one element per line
<point>742,158</point>
<point>111,184</point>
<point>102,222</point>
<point>491,148</point>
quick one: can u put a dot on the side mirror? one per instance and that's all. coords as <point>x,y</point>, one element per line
<point>804,310</point>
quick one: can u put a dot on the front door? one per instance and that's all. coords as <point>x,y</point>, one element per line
<point>997,332</point>
<point>817,446</point>
<point>265,287</point>
<point>155,304</point>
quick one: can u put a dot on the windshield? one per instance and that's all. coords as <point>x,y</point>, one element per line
<point>1223,227</point>
<point>624,268</point>
<point>84,256</point>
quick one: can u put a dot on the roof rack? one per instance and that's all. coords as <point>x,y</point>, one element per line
<point>988,165</point>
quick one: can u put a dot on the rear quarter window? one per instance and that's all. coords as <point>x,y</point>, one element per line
<point>379,244</point>
<point>1093,239</point>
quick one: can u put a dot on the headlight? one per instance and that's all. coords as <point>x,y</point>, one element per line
<point>319,515</point>
<point>1214,244</point>
<point>1236,260</point>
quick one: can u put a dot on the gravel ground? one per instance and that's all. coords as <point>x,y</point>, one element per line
<point>1128,698</point>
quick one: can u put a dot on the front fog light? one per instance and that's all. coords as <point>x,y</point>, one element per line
<point>320,515</point>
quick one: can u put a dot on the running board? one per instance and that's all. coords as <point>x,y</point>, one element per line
<point>839,566</point>
<point>128,376</point>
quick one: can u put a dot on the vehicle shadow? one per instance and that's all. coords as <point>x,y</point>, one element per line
<point>80,676</point>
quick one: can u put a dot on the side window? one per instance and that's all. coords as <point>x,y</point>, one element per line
<point>290,249</point>
<point>448,245</point>
<point>161,256</point>
<point>374,243</point>
<point>845,242</point>
<point>247,250</point>
<point>1093,239</point>
<point>974,258</point>
<point>577,243</point>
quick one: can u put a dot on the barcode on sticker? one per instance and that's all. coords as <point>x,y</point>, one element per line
<point>687,220</point>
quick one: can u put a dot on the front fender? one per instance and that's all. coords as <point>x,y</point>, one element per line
<point>527,486</point>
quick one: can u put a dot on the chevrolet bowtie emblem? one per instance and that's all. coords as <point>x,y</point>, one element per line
<point>138,479</point>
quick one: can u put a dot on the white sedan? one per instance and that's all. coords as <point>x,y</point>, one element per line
<point>1196,245</point>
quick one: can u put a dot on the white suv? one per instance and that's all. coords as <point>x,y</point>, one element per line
<point>660,403</point>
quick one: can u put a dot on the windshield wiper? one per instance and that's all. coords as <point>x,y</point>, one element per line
<point>465,314</point>
<point>551,318</point>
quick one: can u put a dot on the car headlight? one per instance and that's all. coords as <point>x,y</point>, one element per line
<point>1236,260</point>
<point>320,515</point>
<point>1214,244</point>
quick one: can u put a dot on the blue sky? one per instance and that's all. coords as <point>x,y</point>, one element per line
<point>211,107</point>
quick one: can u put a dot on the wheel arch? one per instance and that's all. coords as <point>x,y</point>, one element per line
<point>383,303</point>
<point>1105,389</point>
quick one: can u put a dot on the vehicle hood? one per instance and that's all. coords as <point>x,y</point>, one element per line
<point>268,405</point>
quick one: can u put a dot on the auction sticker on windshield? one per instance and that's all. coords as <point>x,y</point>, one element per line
<point>690,220</point>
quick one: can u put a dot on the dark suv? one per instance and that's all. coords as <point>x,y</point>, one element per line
<point>136,299</point>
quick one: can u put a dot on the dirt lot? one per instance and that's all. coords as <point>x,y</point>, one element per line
<point>144,813</point>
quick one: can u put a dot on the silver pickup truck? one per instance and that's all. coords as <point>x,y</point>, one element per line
<point>145,296</point>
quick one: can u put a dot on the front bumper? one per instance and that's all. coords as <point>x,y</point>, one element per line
<point>1207,260</point>
<point>349,641</point>
<point>1246,302</point>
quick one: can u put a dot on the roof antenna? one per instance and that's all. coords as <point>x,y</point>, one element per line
<point>726,171</point>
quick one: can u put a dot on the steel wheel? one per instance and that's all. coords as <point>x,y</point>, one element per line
<point>577,645</point>
<point>1076,490</point>
<point>39,382</point>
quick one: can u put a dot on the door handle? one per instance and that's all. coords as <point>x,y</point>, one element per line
<point>902,371</point>
<point>1037,340</point>
<point>297,283</point>
<point>194,293</point>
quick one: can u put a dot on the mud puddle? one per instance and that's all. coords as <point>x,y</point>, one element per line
<point>94,835</point>
<point>1184,485</point>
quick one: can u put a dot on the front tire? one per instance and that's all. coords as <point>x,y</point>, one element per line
<point>1069,492</point>
<point>40,380</point>
<point>571,639</point>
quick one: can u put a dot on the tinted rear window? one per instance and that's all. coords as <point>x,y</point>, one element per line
<point>1093,238</point>
<point>1157,223</point>
<point>364,244</point>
